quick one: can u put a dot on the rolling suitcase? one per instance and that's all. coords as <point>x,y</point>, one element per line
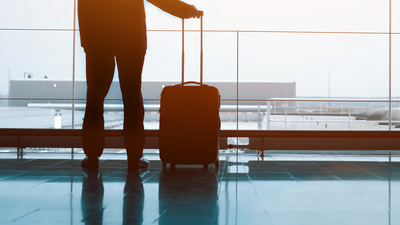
<point>189,120</point>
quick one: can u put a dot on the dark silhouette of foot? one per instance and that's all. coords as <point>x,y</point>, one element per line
<point>90,162</point>
<point>137,164</point>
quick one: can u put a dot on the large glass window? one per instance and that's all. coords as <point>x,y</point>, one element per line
<point>279,65</point>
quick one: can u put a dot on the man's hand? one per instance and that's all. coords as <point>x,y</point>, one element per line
<point>193,12</point>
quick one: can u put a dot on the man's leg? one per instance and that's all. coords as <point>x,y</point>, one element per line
<point>130,66</point>
<point>99,74</point>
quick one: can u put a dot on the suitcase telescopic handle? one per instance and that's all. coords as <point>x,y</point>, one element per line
<point>201,13</point>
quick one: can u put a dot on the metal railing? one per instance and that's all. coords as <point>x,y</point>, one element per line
<point>263,113</point>
<point>351,112</point>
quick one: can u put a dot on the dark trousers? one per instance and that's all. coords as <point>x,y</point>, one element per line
<point>100,66</point>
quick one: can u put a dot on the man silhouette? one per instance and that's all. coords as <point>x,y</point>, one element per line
<point>114,31</point>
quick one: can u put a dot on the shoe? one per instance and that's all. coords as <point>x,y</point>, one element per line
<point>143,163</point>
<point>90,162</point>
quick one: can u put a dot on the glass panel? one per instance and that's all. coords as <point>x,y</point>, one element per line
<point>395,16</point>
<point>291,15</point>
<point>35,67</point>
<point>35,55</point>
<point>395,82</point>
<point>320,64</point>
<point>37,14</point>
<point>163,67</point>
<point>113,108</point>
<point>163,57</point>
<point>311,66</point>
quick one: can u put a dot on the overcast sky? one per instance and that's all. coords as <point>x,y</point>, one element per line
<point>357,64</point>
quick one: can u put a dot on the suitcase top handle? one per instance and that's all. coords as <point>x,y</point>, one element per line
<point>190,82</point>
<point>201,13</point>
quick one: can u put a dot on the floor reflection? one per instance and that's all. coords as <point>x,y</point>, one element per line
<point>281,190</point>
<point>133,198</point>
<point>92,198</point>
<point>188,196</point>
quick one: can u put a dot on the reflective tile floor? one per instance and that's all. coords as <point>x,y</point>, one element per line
<point>282,189</point>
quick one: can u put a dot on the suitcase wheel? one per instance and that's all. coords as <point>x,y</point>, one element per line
<point>164,165</point>
<point>172,166</point>
<point>205,166</point>
<point>217,164</point>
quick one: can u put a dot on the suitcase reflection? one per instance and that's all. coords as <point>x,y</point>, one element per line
<point>188,196</point>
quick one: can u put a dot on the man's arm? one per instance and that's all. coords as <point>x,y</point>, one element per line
<point>176,8</point>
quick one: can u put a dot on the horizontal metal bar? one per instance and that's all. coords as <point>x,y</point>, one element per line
<point>38,29</point>
<point>221,31</point>
<point>240,100</point>
<point>258,140</point>
<point>223,133</point>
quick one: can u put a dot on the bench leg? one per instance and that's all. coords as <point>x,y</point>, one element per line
<point>20,152</point>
